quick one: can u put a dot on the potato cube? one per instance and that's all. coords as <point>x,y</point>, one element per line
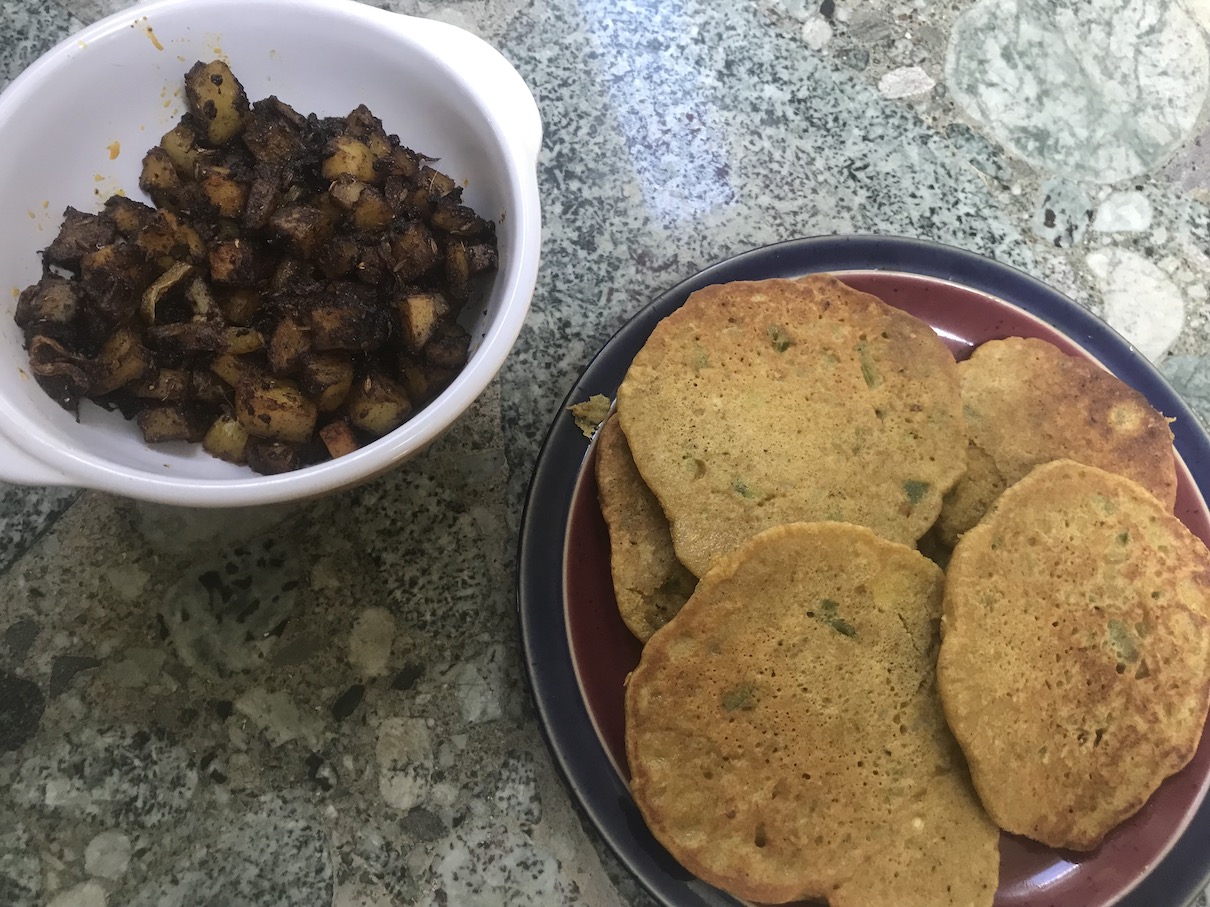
<point>216,100</point>
<point>226,439</point>
<point>275,410</point>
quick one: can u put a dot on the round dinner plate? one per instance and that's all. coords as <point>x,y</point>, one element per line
<point>578,652</point>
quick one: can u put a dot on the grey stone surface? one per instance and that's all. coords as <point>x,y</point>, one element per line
<point>324,703</point>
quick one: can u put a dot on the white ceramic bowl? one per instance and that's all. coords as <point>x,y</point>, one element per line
<point>74,128</point>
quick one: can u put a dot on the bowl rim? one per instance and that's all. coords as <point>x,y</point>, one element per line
<point>48,462</point>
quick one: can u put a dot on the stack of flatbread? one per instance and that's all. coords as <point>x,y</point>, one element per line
<point>822,711</point>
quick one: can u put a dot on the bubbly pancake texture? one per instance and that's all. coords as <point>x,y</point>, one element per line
<point>1027,402</point>
<point>784,734</point>
<point>649,583</point>
<point>1075,662</point>
<point>769,402</point>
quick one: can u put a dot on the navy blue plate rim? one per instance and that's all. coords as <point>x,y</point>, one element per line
<point>563,716</point>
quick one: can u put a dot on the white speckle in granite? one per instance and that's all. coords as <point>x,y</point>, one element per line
<point>87,894</point>
<point>478,686</point>
<point>485,865</point>
<point>41,26</point>
<point>224,615</point>
<point>1062,214</point>
<point>1095,89</point>
<point>404,788</point>
<point>139,668</point>
<point>405,754</point>
<point>114,775</point>
<point>25,513</point>
<point>20,872</point>
<point>1200,10</point>
<point>189,530</point>
<point>274,854</point>
<point>127,580</point>
<point>351,894</point>
<point>906,82</point>
<point>370,642</point>
<point>325,574</point>
<point>1140,301</point>
<point>1123,212</point>
<point>280,717</point>
<point>816,32</point>
<point>107,855</point>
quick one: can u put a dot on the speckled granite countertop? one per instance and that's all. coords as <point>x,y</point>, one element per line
<point>325,704</point>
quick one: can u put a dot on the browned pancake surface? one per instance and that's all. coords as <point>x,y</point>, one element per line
<point>762,403</point>
<point>785,737</point>
<point>1075,667</point>
<point>1027,402</point>
<point>649,583</point>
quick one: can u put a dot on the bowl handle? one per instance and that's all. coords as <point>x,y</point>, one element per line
<point>19,468</point>
<point>509,101</point>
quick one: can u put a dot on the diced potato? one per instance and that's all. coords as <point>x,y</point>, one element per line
<point>339,438</point>
<point>378,404</point>
<point>288,255</point>
<point>264,195</point>
<point>234,262</point>
<point>448,346</point>
<point>341,257</point>
<point>129,216</point>
<point>371,213</point>
<point>170,423</point>
<point>271,457</point>
<point>167,384</point>
<point>348,325</point>
<point>437,184</point>
<point>158,176</point>
<point>122,359</point>
<point>420,314</point>
<point>232,369</point>
<point>327,379</point>
<point>400,162</point>
<point>458,272</point>
<point>270,137</point>
<point>240,305</point>
<point>216,100</point>
<point>305,228</point>
<point>191,243</point>
<point>345,155</point>
<point>180,144</point>
<point>274,409</point>
<point>413,251</point>
<point>290,342</point>
<point>227,195</point>
<point>345,191</point>
<point>206,387</point>
<point>226,439</point>
<point>239,341</point>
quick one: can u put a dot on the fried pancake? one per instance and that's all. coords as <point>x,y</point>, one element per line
<point>1027,402</point>
<point>649,583</point>
<point>779,401</point>
<point>1075,666</point>
<point>784,735</point>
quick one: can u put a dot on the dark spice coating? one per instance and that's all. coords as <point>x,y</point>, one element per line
<point>282,248</point>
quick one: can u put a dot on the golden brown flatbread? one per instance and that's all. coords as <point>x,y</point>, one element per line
<point>649,583</point>
<point>784,734</point>
<point>1027,402</point>
<point>1075,666</point>
<point>777,401</point>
